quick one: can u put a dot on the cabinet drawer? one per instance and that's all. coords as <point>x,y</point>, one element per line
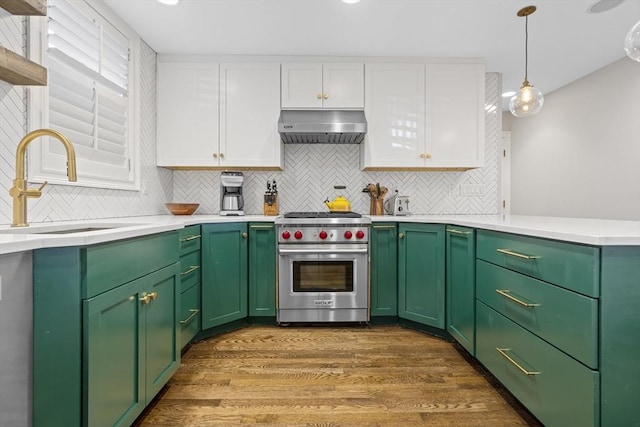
<point>112,264</point>
<point>190,239</point>
<point>557,389</point>
<point>189,315</point>
<point>189,270</point>
<point>571,266</point>
<point>563,318</point>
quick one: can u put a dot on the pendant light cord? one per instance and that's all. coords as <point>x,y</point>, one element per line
<point>526,46</point>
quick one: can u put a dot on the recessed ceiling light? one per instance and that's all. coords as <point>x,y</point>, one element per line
<point>599,6</point>
<point>508,94</point>
<point>351,1</point>
<point>169,2</point>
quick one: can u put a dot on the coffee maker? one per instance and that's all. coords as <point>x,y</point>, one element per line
<point>231,201</point>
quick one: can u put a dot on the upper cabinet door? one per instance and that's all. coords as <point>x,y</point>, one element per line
<point>316,86</point>
<point>187,108</point>
<point>343,86</point>
<point>395,111</point>
<point>455,116</point>
<point>302,85</point>
<point>249,112</point>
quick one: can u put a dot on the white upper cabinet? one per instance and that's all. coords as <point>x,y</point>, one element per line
<point>424,116</point>
<point>218,115</point>
<point>315,86</point>
<point>455,116</point>
<point>395,112</point>
<point>249,112</point>
<point>187,109</point>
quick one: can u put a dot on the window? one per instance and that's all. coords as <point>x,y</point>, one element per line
<point>90,98</point>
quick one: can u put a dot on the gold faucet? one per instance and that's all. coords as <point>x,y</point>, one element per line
<point>19,191</point>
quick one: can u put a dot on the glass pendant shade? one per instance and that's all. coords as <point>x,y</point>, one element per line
<point>527,101</point>
<point>632,43</point>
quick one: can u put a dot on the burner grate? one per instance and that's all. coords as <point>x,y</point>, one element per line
<point>322,215</point>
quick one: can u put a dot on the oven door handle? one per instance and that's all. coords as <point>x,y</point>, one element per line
<point>283,251</point>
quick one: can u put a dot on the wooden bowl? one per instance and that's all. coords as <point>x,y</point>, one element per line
<point>182,208</point>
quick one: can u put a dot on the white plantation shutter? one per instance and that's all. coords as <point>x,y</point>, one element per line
<point>89,98</point>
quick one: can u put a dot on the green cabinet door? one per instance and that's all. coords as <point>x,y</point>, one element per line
<point>130,348</point>
<point>262,269</point>
<point>460,285</point>
<point>383,270</point>
<point>224,273</point>
<point>421,269</point>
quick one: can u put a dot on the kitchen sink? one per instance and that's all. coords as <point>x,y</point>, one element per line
<point>65,229</point>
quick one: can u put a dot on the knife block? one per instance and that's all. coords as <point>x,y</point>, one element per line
<point>270,207</point>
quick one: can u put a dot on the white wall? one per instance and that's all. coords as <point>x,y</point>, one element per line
<point>580,156</point>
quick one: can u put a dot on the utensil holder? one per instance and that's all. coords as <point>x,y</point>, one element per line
<point>376,206</point>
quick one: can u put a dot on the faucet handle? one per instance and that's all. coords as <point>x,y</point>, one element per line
<point>42,186</point>
<point>32,192</point>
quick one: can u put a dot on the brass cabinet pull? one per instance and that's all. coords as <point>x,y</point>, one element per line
<point>319,96</point>
<point>186,239</point>
<point>215,155</point>
<point>422,155</point>
<point>383,227</point>
<point>190,270</point>
<point>222,155</point>
<point>428,155</point>
<point>454,231</point>
<point>146,298</point>
<point>326,96</point>
<point>401,235</point>
<point>194,312</point>
<point>244,235</point>
<point>517,255</point>
<point>261,226</point>
<point>503,352</point>
<point>505,293</point>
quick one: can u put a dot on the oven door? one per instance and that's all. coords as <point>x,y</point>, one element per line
<point>323,277</point>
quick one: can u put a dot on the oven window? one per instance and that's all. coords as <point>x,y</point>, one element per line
<point>323,276</point>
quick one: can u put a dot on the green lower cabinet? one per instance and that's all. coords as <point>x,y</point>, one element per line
<point>421,273</point>
<point>461,295</point>
<point>224,273</point>
<point>105,329</point>
<point>131,346</point>
<point>557,389</point>
<point>383,270</point>
<point>262,270</point>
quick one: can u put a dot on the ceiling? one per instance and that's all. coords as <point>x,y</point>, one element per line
<point>565,41</point>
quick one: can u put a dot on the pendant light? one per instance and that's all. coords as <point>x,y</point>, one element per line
<point>528,100</point>
<point>632,43</point>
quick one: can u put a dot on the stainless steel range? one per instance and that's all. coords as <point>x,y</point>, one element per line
<point>323,267</point>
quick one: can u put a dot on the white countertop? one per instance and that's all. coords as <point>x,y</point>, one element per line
<point>578,230</point>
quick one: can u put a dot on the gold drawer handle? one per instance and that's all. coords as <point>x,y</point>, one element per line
<point>186,239</point>
<point>383,227</point>
<point>261,226</point>
<point>190,270</point>
<point>505,293</point>
<point>401,235</point>
<point>503,352</point>
<point>454,231</point>
<point>194,312</point>
<point>517,255</point>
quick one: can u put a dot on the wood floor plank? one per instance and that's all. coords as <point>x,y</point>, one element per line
<point>330,376</point>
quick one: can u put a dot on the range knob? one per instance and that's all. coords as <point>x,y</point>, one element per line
<point>322,234</point>
<point>348,234</point>
<point>286,235</point>
<point>298,235</point>
<point>359,234</point>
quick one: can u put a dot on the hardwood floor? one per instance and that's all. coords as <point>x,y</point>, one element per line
<point>330,376</point>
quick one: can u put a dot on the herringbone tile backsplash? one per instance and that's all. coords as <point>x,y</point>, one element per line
<point>312,170</point>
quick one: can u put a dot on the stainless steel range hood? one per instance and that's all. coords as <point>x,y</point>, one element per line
<point>322,127</point>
